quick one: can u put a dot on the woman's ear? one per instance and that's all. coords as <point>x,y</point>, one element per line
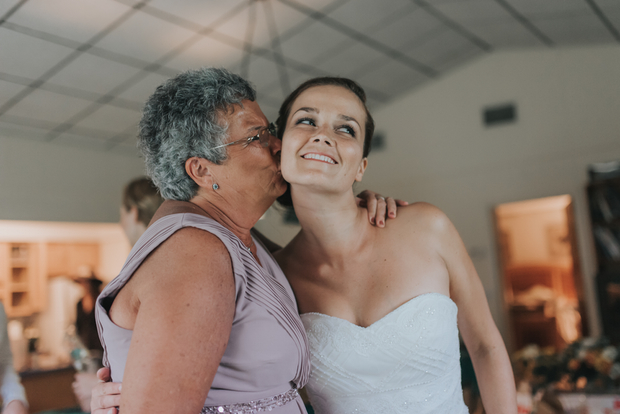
<point>198,170</point>
<point>133,214</point>
<point>361,169</point>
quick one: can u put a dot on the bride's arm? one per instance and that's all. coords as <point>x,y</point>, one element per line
<point>479,332</point>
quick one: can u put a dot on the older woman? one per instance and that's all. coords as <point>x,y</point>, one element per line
<point>201,317</point>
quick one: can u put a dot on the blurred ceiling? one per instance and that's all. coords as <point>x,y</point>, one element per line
<point>76,72</point>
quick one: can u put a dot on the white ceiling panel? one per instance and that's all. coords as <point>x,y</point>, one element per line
<point>575,29</point>
<point>206,52</point>
<point>439,46</point>
<point>144,88</point>
<point>126,148</point>
<point>263,71</point>
<point>505,33</point>
<point>22,131</point>
<point>7,90</point>
<point>112,119</point>
<point>81,141</point>
<point>414,27</point>
<point>92,73</point>
<point>362,15</point>
<point>236,26</point>
<point>350,59</point>
<point>195,10</point>
<point>391,79</point>
<point>284,16</point>
<point>29,57</point>
<point>145,37</point>
<point>6,6</point>
<point>611,10</point>
<point>311,42</point>
<point>473,11</point>
<point>538,8</point>
<point>457,58</point>
<point>48,106</point>
<point>333,50</point>
<point>76,20</point>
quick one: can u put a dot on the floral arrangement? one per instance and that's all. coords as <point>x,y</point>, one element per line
<point>588,365</point>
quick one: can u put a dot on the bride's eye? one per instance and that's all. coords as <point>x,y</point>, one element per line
<point>306,121</point>
<point>346,129</point>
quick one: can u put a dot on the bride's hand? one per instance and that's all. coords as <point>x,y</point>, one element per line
<point>379,208</point>
<point>106,396</point>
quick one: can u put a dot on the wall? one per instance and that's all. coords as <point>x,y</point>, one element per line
<point>42,181</point>
<point>439,151</point>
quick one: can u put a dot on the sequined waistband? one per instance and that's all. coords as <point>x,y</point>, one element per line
<point>253,407</point>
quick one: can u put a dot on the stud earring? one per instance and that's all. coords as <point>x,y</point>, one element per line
<point>215,186</point>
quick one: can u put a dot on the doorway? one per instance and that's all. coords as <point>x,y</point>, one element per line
<point>543,290</point>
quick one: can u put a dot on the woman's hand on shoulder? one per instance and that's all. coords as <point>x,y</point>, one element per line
<point>379,208</point>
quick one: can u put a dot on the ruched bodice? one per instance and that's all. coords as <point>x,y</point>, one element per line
<point>406,362</point>
<point>267,352</point>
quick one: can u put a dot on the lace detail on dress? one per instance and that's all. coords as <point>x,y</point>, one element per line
<point>406,362</point>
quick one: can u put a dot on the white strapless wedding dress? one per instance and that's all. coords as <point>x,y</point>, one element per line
<point>406,362</point>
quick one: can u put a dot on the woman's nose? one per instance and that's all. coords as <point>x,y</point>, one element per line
<point>322,136</point>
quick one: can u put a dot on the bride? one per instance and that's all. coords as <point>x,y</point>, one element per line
<point>380,306</point>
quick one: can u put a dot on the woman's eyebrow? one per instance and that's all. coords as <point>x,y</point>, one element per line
<point>307,109</point>
<point>350,118</point>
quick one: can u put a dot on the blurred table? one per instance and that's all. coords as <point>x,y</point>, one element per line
<point>49,389</point>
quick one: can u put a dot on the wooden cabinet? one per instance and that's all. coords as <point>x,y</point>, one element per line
<point>23,281</point>
<point>26,267</point>
<point>68,259</point>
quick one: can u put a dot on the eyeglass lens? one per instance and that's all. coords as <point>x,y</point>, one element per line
<point>263,135</point>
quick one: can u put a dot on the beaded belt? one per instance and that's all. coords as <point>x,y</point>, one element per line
<point>253,407</point>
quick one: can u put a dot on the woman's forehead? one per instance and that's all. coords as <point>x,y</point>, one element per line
<point>328,97</point>
<point>246,115</point>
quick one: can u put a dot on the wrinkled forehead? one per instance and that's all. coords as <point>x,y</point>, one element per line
<point>245,115</point>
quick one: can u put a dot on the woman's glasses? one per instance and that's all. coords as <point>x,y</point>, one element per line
<point>262,136</point>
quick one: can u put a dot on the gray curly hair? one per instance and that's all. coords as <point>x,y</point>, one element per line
<point>182,120</point>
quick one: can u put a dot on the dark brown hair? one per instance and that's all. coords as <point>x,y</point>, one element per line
<point>142,194</point>
<point>285,110</point>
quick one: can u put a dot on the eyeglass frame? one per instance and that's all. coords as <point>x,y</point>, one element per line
<point>270,130</point>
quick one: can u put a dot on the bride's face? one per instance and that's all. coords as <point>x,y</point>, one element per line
<point>323,142</point>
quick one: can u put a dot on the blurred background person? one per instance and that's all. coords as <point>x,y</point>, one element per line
<point>140,202</point>
<point>11,389</point>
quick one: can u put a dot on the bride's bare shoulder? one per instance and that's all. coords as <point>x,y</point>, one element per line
<point>422,213</point>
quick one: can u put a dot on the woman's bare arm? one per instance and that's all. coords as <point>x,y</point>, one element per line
<point>186,309</point>
<point>479,332</point>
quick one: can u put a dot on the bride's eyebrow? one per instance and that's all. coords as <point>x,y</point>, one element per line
<point>350,118</point>
<point>307,109</point>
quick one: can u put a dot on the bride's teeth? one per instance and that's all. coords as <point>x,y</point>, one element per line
<point>319,157</point>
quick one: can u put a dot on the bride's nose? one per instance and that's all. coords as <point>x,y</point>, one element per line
<point>322,136</point>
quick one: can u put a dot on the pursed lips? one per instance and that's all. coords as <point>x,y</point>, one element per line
<point>319,157</point>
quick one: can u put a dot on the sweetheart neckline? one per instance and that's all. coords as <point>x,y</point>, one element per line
<point>301,315</point>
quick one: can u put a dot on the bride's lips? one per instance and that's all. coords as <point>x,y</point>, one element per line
<point>315,156</point>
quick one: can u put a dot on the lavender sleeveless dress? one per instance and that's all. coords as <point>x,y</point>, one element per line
<point>267,355</point>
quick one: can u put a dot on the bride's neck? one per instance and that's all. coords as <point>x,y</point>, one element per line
<point>332,224</point>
